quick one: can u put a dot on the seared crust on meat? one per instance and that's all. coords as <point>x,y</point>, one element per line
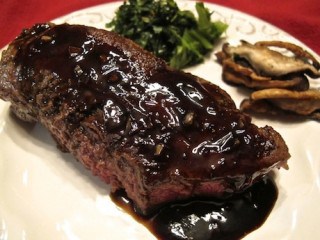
<point>161,134</point>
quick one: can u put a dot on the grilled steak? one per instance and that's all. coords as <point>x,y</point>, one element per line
<point>160,134</point>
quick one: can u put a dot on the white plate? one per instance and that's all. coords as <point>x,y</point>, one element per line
<point>45,194</point>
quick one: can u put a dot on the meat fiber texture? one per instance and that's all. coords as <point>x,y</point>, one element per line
<point>160,134</point>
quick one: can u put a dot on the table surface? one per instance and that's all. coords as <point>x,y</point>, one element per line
<point>300,18</point>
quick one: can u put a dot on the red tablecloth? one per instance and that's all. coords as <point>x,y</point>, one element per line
<point>300,18</point>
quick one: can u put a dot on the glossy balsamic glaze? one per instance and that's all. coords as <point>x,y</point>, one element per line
<point>176,129</point>
<point>178,126</point>
<point>209,219</point>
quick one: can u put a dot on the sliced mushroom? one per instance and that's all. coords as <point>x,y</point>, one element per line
<point>298,51</point>
<point>237,74</point>
<point>269,62</point>
<point>280,78</point>
<point>258,66</point>
<point>305,103</point>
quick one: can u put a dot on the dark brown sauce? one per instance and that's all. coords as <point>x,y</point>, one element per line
<point>174,122</point>
<point>208,219</point>
<point>174,128</point>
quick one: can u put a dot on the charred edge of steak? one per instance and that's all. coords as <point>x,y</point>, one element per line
<point>161,134</point>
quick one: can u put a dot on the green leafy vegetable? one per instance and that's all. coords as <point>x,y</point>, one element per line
<point>161,27</point>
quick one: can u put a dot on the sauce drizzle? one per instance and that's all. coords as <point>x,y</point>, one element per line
<point>207,218</point>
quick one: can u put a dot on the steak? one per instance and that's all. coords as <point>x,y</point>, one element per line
<point>160,134</point>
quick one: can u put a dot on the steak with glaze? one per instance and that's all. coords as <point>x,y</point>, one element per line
<point>161,134</point>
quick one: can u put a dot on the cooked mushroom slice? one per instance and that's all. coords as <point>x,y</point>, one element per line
<point>298,51</point>
<point>237,74</point>
<point>258,66</point>
<point>305,103</point>
<point>260,106</point>
<point>268,62</point>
